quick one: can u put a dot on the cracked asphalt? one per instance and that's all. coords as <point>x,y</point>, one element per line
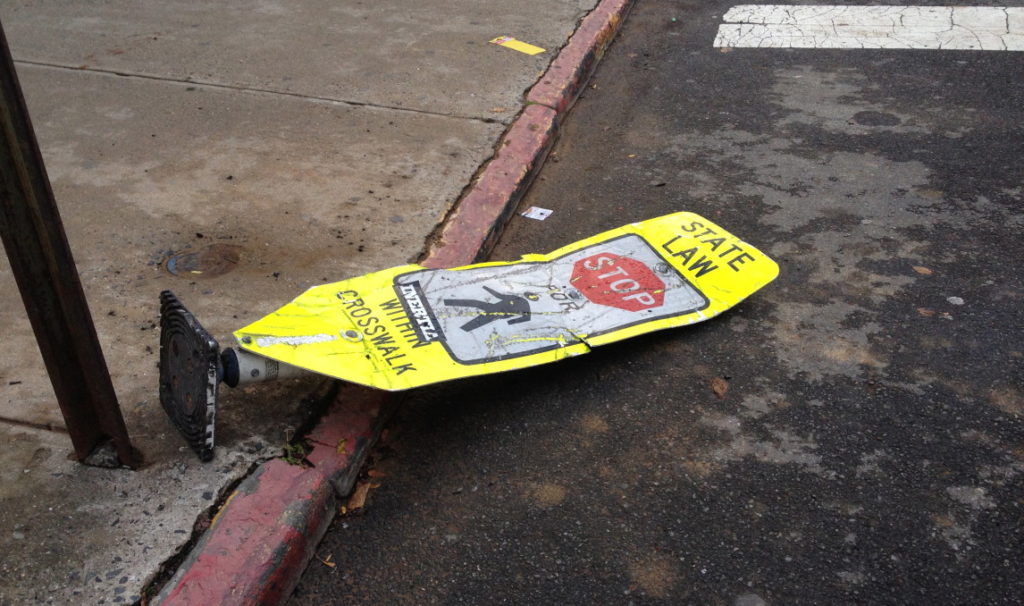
<point>851,434</point>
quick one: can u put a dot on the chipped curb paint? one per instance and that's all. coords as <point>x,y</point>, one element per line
<point>474,226</point>
<point>344,437</point>
<point>261,540</point>
<point>250,552</point>
<point>562,83</point>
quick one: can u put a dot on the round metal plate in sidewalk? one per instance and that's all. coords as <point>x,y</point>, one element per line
<point>207,262</point>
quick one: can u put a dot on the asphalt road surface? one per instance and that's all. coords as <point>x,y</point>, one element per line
<point>870,445</point>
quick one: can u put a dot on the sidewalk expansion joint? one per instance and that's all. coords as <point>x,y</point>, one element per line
<point>256,90</point>
<point>32,425</point>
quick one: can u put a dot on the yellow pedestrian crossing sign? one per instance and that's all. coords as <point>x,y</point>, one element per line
<point>410,326</point>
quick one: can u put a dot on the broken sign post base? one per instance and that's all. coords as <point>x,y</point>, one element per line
<point>411,326</point>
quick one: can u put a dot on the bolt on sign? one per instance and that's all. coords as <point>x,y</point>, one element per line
<point>410,326</point>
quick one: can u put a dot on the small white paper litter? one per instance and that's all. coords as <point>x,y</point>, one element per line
<point>538,213</point>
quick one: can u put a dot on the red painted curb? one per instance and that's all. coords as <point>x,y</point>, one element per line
<point>345,435</point>
<point>561,84</point>
<point>474,227</point>
<point>259,544</point>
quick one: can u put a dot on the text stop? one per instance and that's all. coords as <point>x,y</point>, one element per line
<point>617,281</point>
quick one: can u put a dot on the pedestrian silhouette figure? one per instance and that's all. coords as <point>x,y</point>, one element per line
<point>514,308</point>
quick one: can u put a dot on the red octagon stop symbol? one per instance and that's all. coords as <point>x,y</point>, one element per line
<point>617,281</point>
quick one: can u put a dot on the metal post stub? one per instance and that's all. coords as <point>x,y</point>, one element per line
<point>188,375</point>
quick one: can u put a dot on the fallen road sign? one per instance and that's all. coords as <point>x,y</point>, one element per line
<point>411,326</point>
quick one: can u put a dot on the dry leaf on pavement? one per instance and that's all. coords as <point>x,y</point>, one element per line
<point>358,498</point>
<point>327,561</point>
<point>720,386</point>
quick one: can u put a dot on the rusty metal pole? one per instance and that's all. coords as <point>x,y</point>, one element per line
<point>33,236</point>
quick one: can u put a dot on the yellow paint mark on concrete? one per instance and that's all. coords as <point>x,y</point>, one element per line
<point>519,45</point>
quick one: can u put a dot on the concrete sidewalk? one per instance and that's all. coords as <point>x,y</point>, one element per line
<point>283,145</point>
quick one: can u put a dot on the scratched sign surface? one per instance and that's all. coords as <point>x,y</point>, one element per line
<point>410,326</point>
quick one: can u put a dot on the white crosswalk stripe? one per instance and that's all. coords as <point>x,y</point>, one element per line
<point>873,27</point>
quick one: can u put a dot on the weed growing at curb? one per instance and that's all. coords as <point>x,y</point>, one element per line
<point>295,453</point>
